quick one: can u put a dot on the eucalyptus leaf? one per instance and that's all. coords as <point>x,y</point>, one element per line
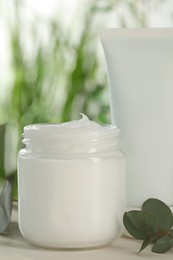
<point>5,206</point>
<point>163,245</point>
<point>160,211</point>
<point>152,225</point>
<point>140,225</point>
<point>146,242</point>
<point>171,233</point>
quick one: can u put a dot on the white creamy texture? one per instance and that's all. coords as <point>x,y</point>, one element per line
<point>82,127</point>
<point>76,202</point>
<point>76,137</point>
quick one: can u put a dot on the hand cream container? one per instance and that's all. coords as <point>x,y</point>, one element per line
<point>70,182</point>
<point>140,72</point>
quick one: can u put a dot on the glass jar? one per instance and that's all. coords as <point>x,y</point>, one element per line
<point>70,183</point>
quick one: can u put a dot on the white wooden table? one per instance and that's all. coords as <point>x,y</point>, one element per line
<point>13,246</point>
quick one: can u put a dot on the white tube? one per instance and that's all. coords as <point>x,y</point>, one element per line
<point>140,72</point>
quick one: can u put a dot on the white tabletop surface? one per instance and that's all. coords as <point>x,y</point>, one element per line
<point>13,246</point>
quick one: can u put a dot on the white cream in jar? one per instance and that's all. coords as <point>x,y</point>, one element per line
<point>70,181</point>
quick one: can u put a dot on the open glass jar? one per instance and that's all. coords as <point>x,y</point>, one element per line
<point>71,184</point>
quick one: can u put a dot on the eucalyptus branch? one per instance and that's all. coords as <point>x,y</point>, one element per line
<point>152,224</point>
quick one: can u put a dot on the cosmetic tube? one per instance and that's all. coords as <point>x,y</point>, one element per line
<point>140,73</point>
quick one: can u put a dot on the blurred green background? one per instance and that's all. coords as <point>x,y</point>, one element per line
<point>52,66</point>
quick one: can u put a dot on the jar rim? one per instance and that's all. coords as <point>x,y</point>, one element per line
<point>72,137</point>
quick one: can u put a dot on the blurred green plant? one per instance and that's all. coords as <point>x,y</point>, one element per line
<point>36,80</point>
<point>86,86</point>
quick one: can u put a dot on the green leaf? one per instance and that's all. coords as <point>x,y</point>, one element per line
<point>171,233</point>
<point>163,245</point>
<point>5,206</point>
<point>160,211</point>
<point>140,225</point>
<point>145,243</point>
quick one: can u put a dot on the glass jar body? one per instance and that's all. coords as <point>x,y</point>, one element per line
<point>70,202</point>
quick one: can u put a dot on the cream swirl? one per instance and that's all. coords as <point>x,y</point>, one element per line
<point>82,126</point>
<point>78,136</point>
